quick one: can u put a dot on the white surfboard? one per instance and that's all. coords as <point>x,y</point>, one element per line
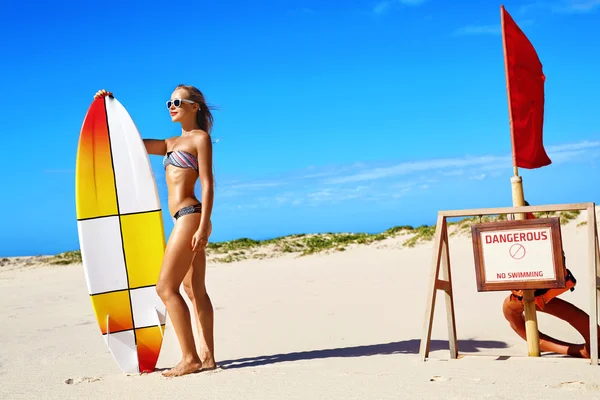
<point>121,235</point>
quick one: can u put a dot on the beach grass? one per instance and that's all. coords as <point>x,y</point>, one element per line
<point>303,244</point>
<point>69,257</point>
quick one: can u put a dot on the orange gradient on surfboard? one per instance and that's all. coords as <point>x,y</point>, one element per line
<point>149,341</point>
<point>94,170</point>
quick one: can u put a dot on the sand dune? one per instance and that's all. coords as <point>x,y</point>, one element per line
<point>334,325</point>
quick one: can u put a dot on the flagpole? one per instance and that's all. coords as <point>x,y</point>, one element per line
<point>518,199</point>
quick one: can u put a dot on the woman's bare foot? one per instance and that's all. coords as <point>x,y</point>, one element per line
<point>209,364</point>
<point>183,368</point>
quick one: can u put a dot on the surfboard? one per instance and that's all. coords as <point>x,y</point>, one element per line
<point>121,235</point>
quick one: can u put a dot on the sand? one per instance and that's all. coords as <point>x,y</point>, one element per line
<point>343,325</point>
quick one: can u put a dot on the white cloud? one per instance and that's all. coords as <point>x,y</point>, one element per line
<point>455,172</point>
<point>286,197</point>
<point>572,146</point>
<point>400,194</point>
<point>491,29</point>
<point>467,30</point>
<point>384,6</point>
<point>302,11</point>
<point>562,6</point>
<point>254,185</point>
<point>236,188</point>
<point>572,151</point>
<point>404,168</point>
<point>526,8</point>
<point>455,166</point>
<point>321,194</point>
<point>579,6</point>
<point>377,181</point>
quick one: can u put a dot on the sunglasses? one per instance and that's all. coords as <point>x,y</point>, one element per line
<point>177,102</point>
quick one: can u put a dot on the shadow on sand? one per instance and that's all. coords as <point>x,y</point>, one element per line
<point>403,347</point>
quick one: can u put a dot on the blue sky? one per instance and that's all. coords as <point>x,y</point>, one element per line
<point>333,116</point>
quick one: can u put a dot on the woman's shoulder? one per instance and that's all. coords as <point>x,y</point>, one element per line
<point>201,137</point>
<point>199,133</point>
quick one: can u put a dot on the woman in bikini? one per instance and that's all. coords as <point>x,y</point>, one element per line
<point>187,158</point>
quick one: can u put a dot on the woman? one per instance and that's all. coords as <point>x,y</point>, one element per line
<point>546,301</point>
<point>187,158</point>
<point>513,312</point>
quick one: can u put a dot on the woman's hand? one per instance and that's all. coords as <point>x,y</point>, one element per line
<point>199,240</point>
<point>102,93</point>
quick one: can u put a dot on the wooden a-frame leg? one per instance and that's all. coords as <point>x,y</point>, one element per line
<point>447,277</point>
<point>439,257</point>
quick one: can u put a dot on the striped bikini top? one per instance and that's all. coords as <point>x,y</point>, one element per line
<point>181,159</point>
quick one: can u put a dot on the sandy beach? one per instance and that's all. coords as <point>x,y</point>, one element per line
<point>332,325</point>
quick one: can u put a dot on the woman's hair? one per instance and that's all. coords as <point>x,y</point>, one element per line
<point>204,117</point>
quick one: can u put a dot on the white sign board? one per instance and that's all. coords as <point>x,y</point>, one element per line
<point>521,254</point>
<point>518,255</point>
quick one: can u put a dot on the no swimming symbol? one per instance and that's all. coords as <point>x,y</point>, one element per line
<point>517,251</point>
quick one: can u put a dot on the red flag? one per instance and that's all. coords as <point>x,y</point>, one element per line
<point>525,87</point>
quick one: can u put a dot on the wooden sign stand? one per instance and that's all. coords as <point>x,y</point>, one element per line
<point>441,261</point>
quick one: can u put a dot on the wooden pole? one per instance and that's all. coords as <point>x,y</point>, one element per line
<point>531,325</point>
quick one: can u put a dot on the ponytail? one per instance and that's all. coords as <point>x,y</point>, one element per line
<point>204,118</point>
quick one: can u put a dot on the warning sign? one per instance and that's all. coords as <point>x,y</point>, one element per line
<point>518,254</point>
<point>523,254</point>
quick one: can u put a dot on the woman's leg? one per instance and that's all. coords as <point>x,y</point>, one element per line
<point>176,263</point>
<point>194,285</point>
<point>513,312</point>
<point>575,316</point>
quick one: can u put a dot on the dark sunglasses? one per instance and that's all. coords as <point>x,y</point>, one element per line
<point>177,102</point>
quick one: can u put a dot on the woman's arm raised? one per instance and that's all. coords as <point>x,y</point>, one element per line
<point>153,146</point>
<point>156,146</point>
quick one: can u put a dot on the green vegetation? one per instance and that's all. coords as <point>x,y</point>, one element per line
<point>338,241</point>
<point>305,244</point>
<point>566,216</point>
<point>69,257</point>
<point>423,233</point>
<point>464,225</point>
<point>237,244</point>
<point>398,229</point>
